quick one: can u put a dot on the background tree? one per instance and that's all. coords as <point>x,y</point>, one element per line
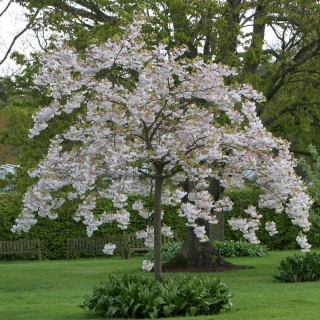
<point>273,44</point>
<point>149,121</point>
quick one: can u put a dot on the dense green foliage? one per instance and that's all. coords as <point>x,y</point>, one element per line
<point>228,248</point>
<point>168,251</point>
<point>240,249</point>
<point>311,173</point>
<point>134,296</point>
<point>299,268</point>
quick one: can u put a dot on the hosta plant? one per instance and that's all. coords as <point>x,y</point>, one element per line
<point>299,268</point>
<point>134,296</point>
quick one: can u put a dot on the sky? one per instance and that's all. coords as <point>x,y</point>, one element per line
<point>11,23</point>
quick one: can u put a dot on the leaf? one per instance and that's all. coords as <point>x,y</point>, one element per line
<point>157,301</point>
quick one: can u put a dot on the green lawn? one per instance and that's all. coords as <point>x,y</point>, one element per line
<point>51,290</point>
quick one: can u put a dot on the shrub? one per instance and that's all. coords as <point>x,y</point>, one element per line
<point>240,249</point>
<point>229,248</point>
<point>299,268</point>
<point>134,296</point>
<point>314,233</point>
<point>168,251</point>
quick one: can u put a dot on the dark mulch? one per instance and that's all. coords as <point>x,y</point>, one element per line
<point>214,269</point>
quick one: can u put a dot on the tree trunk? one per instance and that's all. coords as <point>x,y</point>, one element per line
<point>157,224</point>
<point>257,42</point>
<point>217,230</point>
<point>196,254</point>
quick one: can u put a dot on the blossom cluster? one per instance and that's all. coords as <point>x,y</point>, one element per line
<point>271,228</point>
<point>109,248</point>
<point>303,242</point>
<point>155,118</point>
<point>147,265</point>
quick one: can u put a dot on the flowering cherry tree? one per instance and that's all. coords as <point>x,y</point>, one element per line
<point>150,120</point>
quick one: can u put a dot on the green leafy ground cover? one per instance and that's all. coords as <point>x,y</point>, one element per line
<point>52,290</point>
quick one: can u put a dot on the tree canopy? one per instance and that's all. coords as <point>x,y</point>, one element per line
<point>150,120</point>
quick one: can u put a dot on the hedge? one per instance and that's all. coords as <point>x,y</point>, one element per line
<point>287,232</point>
<point>53,233</point>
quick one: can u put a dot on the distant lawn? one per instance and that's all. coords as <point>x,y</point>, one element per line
<point>51,290</point>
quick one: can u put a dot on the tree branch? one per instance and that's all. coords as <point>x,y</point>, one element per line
<point>17,36</point>
<point>6,8</point>
<point>304,54</point>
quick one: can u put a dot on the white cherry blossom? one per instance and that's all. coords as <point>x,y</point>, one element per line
<point>303,242</point>
<point>109,248</point>
<point>271,228</point>
<point>147,265</point>
<point>147,129</point>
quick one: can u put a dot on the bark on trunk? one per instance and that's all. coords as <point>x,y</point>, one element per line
<point>217,230</point>
<point>196,254</point>
<point>257,42</point>
<point>157,225</point>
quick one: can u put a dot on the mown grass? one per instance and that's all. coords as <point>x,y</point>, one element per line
<point>52,290</point>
